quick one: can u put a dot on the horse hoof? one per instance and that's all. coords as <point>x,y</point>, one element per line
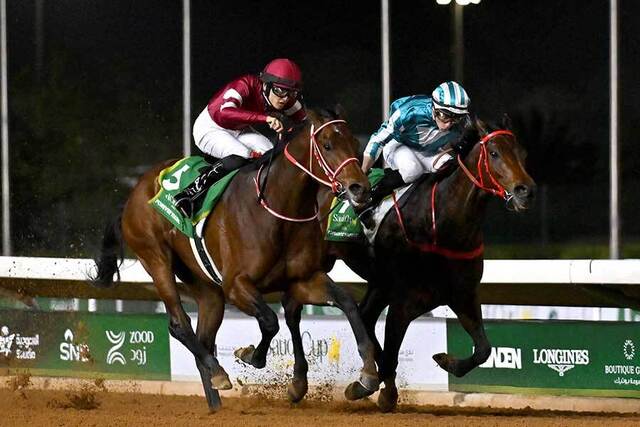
<point>245,353</point>
<point>388,399</point>
<point>297,390</point>
<point>221,381</point>
<point>448,363</point>
<point>370,382</point>
<point>443,360</point>
<point>356,390</point>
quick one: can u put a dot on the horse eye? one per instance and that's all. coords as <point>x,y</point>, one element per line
<point>493,154</point>
<point>327,146</point>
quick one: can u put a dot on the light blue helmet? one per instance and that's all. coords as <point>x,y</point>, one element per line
<point>452,97</point>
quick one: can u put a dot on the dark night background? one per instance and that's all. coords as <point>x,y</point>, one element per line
<point>101,99</point>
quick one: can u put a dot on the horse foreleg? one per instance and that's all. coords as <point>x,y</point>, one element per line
<point>321,290</point>
<point>299,385</point>
<point>244,295</point>
<point>210,313</point>
<point>371,306</point>
<point>470,317</point>
<point>399,317</point>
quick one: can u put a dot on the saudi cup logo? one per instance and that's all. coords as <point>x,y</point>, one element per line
<point>114,354</point>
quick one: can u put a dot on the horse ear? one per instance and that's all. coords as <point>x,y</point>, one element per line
<point>506,122</point>
<point>340,111</point>
<point>482,127</point>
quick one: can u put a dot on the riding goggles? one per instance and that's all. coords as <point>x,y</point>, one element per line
<point>283,92</point>
<point>447,116</point>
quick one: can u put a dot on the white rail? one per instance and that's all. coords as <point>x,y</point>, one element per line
<point>587,283</point>
<point>495,271</point>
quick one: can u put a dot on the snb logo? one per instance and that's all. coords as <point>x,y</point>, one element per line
<point>114,355</point>
<point>69,351</point>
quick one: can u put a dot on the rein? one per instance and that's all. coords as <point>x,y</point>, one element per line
<point>433,247</point>
<point>314,151</point>
<point>264,204</point>
<point>497,189</point>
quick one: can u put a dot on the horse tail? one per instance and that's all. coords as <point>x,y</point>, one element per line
<point>112,251</point>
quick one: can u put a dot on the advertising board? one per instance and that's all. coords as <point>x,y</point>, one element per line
<point>553,357</point>
<point>85,344</point>
<point>330,349</point>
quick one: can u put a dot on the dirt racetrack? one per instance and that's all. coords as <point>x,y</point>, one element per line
<point>92,404</point>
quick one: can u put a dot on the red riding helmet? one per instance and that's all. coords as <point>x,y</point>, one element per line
<point>282,72</point>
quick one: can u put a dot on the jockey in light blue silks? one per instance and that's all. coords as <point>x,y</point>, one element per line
<point>412,139</point>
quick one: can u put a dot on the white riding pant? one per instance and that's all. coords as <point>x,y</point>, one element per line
<point>409,162</point>
<point>219,142</point>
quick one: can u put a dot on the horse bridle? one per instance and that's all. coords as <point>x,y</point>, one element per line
<point>479,182</point>
<point>314,151</point>
<point>483,161</point>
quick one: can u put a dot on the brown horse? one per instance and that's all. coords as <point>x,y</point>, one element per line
<point>258,248</point>
<point>428,251</point>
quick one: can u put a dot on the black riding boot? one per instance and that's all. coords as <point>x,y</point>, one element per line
<point>391,180</point>
<point>209,175</point>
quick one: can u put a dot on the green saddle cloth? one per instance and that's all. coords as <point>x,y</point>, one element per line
<point>343,224</point>
<point>176,178</point>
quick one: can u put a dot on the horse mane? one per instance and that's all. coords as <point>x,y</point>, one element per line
<point>474,129</point>
<point>327,113</point>
<point>470,136</point>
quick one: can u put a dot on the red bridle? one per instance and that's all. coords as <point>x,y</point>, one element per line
<point>483,161</point>
<point>314,151</point>
<point>497,189</point>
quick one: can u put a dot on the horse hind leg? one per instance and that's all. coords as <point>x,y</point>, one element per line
<point>299,384</point>
<point>180,329</point>
<point>470,317</point>
<point>210,313</point>
<point>244,295</point>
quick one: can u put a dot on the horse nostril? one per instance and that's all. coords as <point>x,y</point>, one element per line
<point>356,189</point>
<point>523,191</point>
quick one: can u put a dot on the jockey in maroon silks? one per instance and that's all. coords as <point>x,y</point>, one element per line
<point>223,129</point>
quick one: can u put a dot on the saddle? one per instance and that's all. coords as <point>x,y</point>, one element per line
<point>343,224</point>
<point>175,179</point>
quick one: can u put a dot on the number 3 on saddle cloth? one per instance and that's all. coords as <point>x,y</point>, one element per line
<point>176,178</point>
<point>343,224</point>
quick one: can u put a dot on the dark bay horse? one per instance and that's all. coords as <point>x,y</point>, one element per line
<point>276,246</point>
<point>429,252</point>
